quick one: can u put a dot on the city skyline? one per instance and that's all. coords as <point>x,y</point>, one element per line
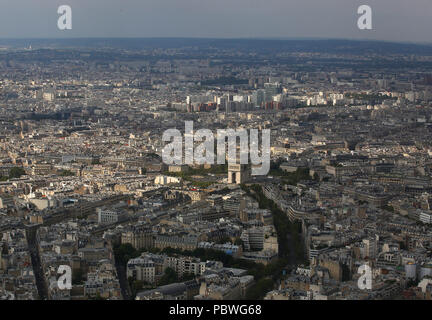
<point>218,155</point>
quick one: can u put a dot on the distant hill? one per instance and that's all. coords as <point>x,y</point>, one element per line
<point>257,45</point>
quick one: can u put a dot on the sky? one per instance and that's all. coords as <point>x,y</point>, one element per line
<point>392,20</point>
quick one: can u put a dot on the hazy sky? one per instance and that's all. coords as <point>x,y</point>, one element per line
<point>393,20</point>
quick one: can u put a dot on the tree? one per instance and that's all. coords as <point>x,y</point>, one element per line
<point>170,276</point>
<point>16,172</point>
<point>124,252</point>
<point>77,277</point>
<point>136,286</point>
<point>66,173</point>
<point>259,289</point>
<point>224,240</point>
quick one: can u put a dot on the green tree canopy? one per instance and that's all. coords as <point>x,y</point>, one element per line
<point>16,172</point>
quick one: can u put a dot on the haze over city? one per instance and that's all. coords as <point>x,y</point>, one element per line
<point>393,20</point>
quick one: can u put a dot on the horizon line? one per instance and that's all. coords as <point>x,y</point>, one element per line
<point>220,38</point>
